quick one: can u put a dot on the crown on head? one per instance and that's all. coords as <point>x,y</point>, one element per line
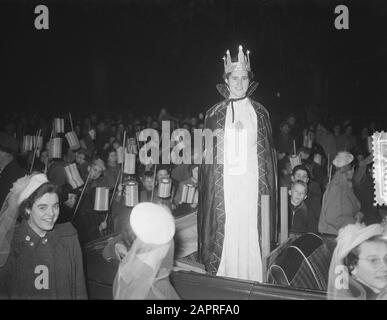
<point>243,62</point>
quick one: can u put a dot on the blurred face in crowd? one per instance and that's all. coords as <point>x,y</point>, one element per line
<point>80,158</point>
<point>297,194</point>
<point>285,129</point>
<point>292,121</point>
<point>162,174</point>
<point>371,268</point>
<point>238,83</point>
<point>112,159</point>
<point>44,156</point>
<point>155,125</point>
<point>336,130</point>
<point>95,172</point>
<point>364,133</point>
<point>301,175</point>
<point>348,130</point>
<point>44,213</point>
<point>148,183</point>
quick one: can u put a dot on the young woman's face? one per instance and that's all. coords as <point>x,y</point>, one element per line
<point>80,158</point>
<point>44,213</point>
<point>238,83</point>
<point>372,265</point>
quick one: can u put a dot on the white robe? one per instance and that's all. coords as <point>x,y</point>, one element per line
<point>241,255</point>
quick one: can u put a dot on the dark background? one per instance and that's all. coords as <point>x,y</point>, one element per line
<point>143,55</point>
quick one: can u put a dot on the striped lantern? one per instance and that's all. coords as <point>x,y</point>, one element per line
<point>294,161</point>
<point>55,148</point>
<point>317,159</point>
<point>59,125</point>
<point>27,143</point>
<point>73,176</point>
<point>130,163</point>
<point>120,157</point>
<point>307,143</point>
<point>101,200</point>
<point>165,187</point>
<point>73,140</point>
<point>188,193</point>
<point>196,196</point>
<point>131,194</point>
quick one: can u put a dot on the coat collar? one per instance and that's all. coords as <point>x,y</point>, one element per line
<point>223,89</point>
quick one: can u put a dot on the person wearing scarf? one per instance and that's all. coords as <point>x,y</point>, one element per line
<point>358,268</point>
<point>230,189</point>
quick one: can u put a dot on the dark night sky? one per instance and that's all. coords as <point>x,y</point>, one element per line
<point>143,55</point>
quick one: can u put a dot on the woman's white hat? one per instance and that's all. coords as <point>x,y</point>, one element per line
<point>35,182</point>
<point>152,223</point>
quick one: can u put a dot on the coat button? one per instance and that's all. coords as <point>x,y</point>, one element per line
<point>44,241</point>
<point>28,238</point>
<point>31,244</point>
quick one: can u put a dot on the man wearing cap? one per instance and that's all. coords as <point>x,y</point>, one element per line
<point>244,167</point>
<point>340,205</point>
<point>10,170</point>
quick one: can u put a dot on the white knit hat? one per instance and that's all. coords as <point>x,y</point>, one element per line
<point>342,159</point>
<point>152,223</point>
<point>35,182</point>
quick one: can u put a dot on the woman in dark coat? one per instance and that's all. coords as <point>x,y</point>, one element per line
<point>43,260</point>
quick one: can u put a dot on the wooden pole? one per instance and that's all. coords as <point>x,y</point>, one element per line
<point>71,122</point>
<point>284,216</point>
<point>80,197</point>
<point>330,174</point>
<point>123,156</point>
<point>154,180</point>
<point>294,147</point>
<point>35,149</point>
<point>265,231</point>
<point>114,192</point>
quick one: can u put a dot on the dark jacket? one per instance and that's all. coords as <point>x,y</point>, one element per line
<point>8,176</point>
<point>299,219</point>
<point>57,255</point>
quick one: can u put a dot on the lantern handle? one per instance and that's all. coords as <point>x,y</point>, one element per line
<point>35,149</point>
<point>80,197</point>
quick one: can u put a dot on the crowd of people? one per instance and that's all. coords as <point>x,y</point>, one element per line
<point>72,179</point>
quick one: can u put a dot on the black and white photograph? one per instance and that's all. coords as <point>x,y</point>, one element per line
<point>183,150</point>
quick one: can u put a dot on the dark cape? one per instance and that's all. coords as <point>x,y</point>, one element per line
<point>211,209</point>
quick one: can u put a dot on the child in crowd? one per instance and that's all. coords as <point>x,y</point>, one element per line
<point>299,220</point>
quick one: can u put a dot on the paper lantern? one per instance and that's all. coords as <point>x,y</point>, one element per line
<point>131,194</point>
<point>73,176</point>
<point>101,200</point>
<point>27,143</point>
<point>59,125</point>
<point>132,145</point>
<point>55,148</point>
<point>120,155</point>
<point>165,187</point>
<point>73,140</point>
<point>295,161</point>
<point>188,193</point>
<point>130,163</point>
